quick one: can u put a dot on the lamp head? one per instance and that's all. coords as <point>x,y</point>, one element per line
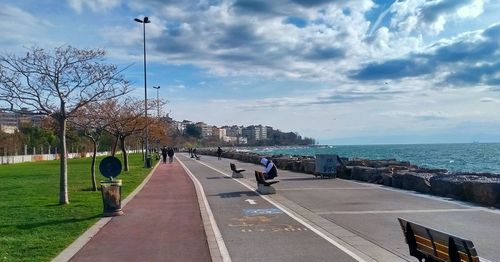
<point>146,20</point>
<point>138,20</point>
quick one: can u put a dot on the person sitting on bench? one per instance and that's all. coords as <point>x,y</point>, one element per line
<point>270,170</point>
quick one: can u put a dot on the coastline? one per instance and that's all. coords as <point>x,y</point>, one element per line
<point>456,158</point>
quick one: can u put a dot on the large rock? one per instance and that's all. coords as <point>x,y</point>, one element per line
<point>412,181</point>
<point>378,163</point>
<point>482,188</point>
<point>309,166</point>
<point>369,174</point>
<point>448,186</point>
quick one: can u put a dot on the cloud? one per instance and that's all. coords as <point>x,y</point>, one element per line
<point>176,88</point>
<point>20,27</point>
<point>393,69</point>
<point>324,53</point>
<point>326,97</point>
<point>488,100</point>
<point>254,7</point>
<point>430,17</point>
<point>317,40</point>
<point>94,5</point>
<point>424,115</point>
<point>311,3</point>
<point>469,59</point>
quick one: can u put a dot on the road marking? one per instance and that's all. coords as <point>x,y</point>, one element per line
<point>218,236</point>
<point>396,211</point>
<point>307,225</point>
<point>261,211</point>
<point>326,188</point>
<point>251,201</point>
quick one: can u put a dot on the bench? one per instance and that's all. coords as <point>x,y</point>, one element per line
<point>436,246</point>
<point>264,187</point>
<point>237,173</point>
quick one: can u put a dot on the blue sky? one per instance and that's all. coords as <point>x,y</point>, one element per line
<point>340,71</point>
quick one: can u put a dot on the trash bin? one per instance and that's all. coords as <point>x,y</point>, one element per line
<point>148,161</point>
<point>111,191</point>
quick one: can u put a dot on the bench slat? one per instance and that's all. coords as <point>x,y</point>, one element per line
<point>425,242</point>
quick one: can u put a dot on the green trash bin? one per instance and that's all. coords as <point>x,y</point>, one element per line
<point>111,191</point>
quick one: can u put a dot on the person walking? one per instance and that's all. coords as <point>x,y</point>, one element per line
<point>170,153</point>
<point>219,153</point>
<point>164,154</point>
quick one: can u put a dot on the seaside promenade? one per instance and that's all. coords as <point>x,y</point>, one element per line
<point>193,210</point>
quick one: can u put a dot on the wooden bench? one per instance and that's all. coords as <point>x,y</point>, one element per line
<point>264,187</point>
<point>436,246</point>
<point>237,173</point>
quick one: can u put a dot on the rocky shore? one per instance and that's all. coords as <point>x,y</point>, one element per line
<point>480,188</point>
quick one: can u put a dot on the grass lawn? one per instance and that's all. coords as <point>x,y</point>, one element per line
<point>33,226</point>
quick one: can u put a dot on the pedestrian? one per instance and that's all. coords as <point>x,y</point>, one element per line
<point>170,153</point>
<point>270,170</point>
<point>164,154</point>
<point>194,154</point>
<point>219,153</point>
<point>191,152</point>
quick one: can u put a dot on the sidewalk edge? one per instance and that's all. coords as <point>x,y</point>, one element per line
<point>212,241</point>
<point>82,240</point>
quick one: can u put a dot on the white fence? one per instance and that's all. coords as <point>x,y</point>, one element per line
<point>32,158</point>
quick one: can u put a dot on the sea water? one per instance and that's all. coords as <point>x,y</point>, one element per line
<point>472,157</point>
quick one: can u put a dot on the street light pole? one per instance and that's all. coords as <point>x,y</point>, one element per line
<point>147,159</point>
<point>157,100</point>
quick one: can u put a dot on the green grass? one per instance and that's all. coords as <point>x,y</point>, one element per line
<point>33,226</point>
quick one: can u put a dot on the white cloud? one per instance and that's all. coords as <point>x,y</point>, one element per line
<point>94,5</point>
<point>473,10</point>
<point>20,28</point>
<point>431,17</point>
<point>489,100</point>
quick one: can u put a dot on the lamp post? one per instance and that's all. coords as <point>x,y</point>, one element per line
<point>147,159</point>
<point>157,100</point>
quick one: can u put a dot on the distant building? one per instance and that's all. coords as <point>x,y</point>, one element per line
<point>255,132</point>
<point>233,131</point>
<point>220,133</point>
<point>181,126</point>
<point>206,130</point>
<point>230,139</point>
<point>11,121</point>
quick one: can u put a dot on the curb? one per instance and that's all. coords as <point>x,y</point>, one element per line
<point>216,246</point>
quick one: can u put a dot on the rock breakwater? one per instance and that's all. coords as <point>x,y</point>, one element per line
<point>480,188</point>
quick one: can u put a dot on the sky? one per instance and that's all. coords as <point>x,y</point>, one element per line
<point>338,71</point>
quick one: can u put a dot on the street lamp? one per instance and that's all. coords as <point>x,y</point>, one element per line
<point>147,159</point>
<point>157,99</point>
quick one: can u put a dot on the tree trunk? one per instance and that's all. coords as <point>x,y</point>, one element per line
<point>115,144</point>
<point>124,152</point>
<point>92,169</point>
<point>142,151</point>
<point>63,179</point>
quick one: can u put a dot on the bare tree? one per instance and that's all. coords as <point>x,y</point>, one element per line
<point>91,121</point>
<point>128,120</point>
<point>58,83</point>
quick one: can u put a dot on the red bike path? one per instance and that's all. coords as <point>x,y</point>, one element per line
<point>161,223</point>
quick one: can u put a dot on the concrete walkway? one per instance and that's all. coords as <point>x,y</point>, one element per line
<point>161,223</point>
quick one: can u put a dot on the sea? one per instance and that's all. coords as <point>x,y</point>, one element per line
<point>467,157</point>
